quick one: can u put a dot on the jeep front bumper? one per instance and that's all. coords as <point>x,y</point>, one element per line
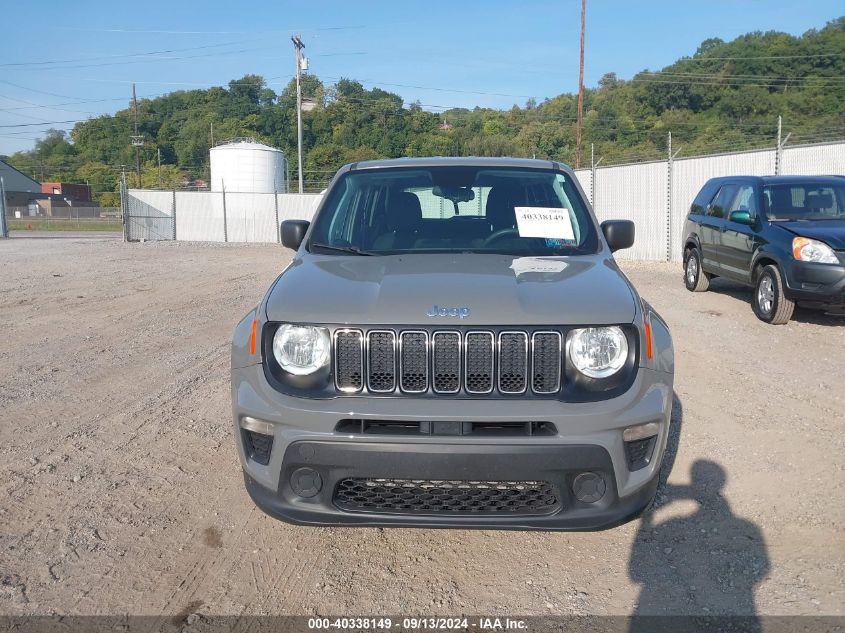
<point>310,460</point>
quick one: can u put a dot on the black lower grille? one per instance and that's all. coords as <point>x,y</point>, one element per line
<point>258,446</point>
<point>639,452</point>
<point>426,496</point>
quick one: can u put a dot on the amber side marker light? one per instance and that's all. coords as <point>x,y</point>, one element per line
<point>797,244</point>
<point>252,338</point>
<point>648,347</point>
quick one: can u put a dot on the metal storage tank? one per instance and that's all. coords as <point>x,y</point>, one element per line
<point>244,165</point>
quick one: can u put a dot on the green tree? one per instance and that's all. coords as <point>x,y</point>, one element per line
<point>726,95</point>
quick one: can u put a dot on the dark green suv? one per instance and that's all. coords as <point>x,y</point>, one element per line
<point>783,235</point>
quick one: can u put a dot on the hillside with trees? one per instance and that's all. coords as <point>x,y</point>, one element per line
<point>725,97</point>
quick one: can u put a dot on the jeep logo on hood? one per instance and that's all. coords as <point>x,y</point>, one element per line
<point>439,311</point>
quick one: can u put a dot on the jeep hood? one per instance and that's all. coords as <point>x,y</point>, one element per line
<point>831,232</point>
<point>497,290</point>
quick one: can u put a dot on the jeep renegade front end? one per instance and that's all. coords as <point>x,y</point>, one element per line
<point>453,345</point>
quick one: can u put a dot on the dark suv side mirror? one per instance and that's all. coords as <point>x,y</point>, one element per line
<point>293,232</point>
<point>618,233</point>
<point>741,217</point>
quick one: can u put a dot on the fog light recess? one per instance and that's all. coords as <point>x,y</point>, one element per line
<point>589,487</point>
<point>258,439</point>
<point>639,444</point>
<point>306,482</point>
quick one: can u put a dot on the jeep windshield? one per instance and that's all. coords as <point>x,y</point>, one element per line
<point>454,209</point>
<point>804,201</point>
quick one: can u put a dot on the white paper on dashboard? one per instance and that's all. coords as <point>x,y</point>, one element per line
<point>544,222</point>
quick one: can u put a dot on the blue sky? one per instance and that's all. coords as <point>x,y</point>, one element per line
<point>459,53</point>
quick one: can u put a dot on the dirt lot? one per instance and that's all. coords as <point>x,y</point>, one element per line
<point>123,494</point>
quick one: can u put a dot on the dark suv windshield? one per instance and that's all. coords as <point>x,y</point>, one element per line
<point>804,201</point>
<point>454,209</point>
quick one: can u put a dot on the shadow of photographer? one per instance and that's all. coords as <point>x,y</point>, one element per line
<point>700,561</point>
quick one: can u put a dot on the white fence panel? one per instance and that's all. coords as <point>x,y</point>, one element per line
<point>199,216</point>
<point>298,206</point>
<point>585,179</point>
<point>638,193</point>
<point>251,217</point>
<point>814,160</point>
<point>690,174</point>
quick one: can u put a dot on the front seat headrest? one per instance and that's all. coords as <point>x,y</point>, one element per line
<point>404,211</point>
<point>500,206</point>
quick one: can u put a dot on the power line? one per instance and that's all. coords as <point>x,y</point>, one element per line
<point>154,59</point>
<point>43,92</point>
<point>122,55</point>
<point>438,89</point>
<point>749,57</point>
<point>172,32</point>
<point>771,78</point>
<point>43,123</point>
<point>206,84</point>
<point>691,82</point>
<point>35,105</point>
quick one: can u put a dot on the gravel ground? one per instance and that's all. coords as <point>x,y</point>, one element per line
<point>123,493</point>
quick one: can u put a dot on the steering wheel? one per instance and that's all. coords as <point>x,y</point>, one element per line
<point>500,235</point>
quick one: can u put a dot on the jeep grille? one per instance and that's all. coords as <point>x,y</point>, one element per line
<point>416,361</point>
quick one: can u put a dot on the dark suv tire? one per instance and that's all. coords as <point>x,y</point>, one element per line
<point>695,279</point>
<point>768,301</point>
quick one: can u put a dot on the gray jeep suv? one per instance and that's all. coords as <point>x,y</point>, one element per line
<point>453,345</point>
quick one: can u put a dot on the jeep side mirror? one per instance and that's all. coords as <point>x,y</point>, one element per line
<point>293,232</point>
<point>741,217</point>
<point>618,233</point>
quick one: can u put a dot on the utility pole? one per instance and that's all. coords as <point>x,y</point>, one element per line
<point>298,45</point>
<point>124,202</point>
<point>781,143</point>
<point>212,133</point>
<point>4,231</point>
<point>137,139</point>
<point>159,167</point>
<point>579,122</point>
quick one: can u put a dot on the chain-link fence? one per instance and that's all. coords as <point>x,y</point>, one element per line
<point>73,219</point>
<point>655,195</point>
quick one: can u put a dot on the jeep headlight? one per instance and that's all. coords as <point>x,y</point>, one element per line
<point>806,250</point>
<point>597,352</point>
<point>301,349</point>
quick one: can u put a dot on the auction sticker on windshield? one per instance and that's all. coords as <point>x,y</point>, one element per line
<point>544,222</point>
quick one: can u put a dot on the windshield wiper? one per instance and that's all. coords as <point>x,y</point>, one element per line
<point>352,250</point>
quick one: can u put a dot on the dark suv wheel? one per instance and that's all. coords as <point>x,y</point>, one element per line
<point>768,301</point>
<point>695,279</point>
